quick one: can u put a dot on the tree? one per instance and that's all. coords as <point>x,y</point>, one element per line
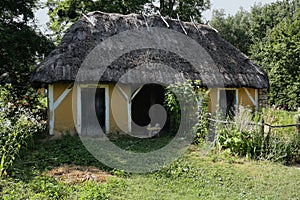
<point>275,34</point>
<point>63,13</point>
<point>234,29</point>
<point>184,8</point>
<point>247,28</point>
<point>279,54</point>
<point>20,44</point>
<point>269,34</point>
<point>264,18</point>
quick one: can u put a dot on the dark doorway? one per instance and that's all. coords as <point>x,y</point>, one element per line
<point>90,126</point>
<point>149,95</point>
<point>100,107</point>
<point>227,102</point>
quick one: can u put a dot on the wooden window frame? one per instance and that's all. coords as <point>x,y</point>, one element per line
<point>236,93</point>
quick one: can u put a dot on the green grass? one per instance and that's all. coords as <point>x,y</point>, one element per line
<point>193,176</point>
<point>201,178</point>
<point>141,145</point>
<point>279,118</point>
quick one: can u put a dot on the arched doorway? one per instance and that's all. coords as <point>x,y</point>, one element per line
<point>149,95</point>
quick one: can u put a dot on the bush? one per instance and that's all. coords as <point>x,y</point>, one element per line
<point>241,137</point>
<point>282,144</point>
<point>18,123</point>
<point>190,99</point>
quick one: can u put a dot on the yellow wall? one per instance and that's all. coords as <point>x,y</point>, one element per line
<point>63,114</point>
<point>63,119</point>
<point>118,108</point>
<point>243,98</point>
<point>213,100</point>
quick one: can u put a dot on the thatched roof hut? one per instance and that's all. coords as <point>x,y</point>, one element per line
<point>63,63</point>
<point>233,79</point>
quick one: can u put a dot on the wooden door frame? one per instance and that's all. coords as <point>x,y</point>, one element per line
<point>107,105</point>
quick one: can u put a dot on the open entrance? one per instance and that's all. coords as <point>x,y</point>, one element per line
<point>149,95</point>
<point>228,102</point>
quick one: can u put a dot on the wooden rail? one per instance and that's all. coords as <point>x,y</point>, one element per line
<point>254,123</point>
<point>263,124</point>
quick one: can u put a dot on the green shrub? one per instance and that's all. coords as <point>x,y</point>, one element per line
<point>187,105</point>
<point>18,123</point>
<point>242,137</point>
<point>242,143</point>
<point>281,144</point>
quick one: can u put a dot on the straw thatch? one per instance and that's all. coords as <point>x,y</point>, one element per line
<point>63,63</point>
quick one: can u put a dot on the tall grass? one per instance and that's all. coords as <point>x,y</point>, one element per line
<point>245,136</point>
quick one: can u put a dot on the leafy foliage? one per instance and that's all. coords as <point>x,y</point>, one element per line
<point>279,53</point>
<point>18,123</point>
<point>269,34</point>
<point>241,138</point>
<point>234,29</point>
<point>21,46</point>
<point>182,101</point>
<point>9,10</point>
<point>64,13</point>
<point>267,17</point>
<point>184,8</point>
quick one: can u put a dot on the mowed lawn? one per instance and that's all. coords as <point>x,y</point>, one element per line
<point>63,169</point>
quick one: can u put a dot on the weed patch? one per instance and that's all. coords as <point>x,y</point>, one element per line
<point>63,169</point>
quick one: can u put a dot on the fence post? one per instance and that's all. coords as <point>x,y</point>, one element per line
<point>263,126</point>
<point>263,139</point>
<point>298,124</point>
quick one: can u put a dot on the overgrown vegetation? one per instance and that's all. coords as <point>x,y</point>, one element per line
<point>187,103</point>
<point>192,176</point>
<point>21,111</point>
<point>19,122</point>
<point>246,136</point>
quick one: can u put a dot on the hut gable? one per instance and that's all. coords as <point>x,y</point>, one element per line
<point>63,63</point>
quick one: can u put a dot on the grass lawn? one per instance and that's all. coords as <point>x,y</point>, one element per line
<point>63,169</point>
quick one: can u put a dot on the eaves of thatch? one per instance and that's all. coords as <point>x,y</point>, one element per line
<point>63,63</point>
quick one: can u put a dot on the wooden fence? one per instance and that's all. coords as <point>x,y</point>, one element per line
<point>263,124</point>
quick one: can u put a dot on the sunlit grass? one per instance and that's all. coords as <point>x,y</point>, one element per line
<point>192,176</point>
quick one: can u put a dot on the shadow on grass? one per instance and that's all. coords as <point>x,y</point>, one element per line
<point>140,145</point>
<point>69,150</point>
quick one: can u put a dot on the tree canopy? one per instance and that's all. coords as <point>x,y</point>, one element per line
<point>279,54</point>
<point>21,45</point>
<point>63,13</point>
<point>234,29</point>
<point>270,35</point>
<point>184,8</point>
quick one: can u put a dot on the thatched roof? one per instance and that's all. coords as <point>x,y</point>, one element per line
<point>62,65</point>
